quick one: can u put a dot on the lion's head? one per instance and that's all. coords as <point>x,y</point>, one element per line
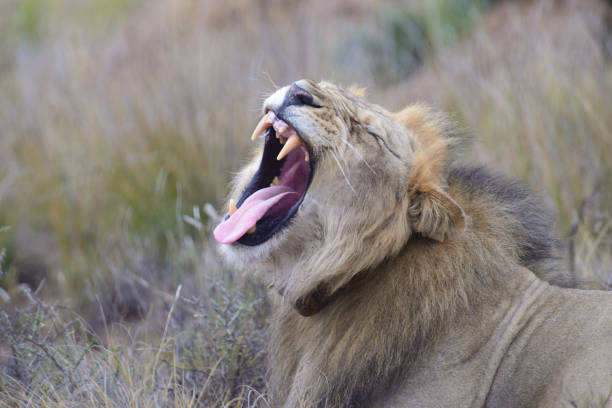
<point>340,185</point>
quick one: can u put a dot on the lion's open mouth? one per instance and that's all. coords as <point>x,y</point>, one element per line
<point>275,192</point>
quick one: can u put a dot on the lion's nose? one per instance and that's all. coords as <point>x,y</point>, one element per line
<point>298,96</point>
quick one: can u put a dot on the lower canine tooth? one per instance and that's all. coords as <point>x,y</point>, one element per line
<point>252,229</point>
<point>275,182</point>
<point>232,207</point>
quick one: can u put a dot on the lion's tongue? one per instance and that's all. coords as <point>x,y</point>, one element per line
<point>252,210</point>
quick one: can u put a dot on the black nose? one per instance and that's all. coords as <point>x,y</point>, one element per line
<point>298,96</point>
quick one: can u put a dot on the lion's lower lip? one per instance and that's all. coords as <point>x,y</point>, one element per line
<point>276,190</point>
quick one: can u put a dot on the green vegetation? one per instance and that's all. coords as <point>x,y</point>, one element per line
<point>121,120</point>
<point>402,37</point>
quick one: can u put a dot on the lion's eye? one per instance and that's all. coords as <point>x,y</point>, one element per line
<point>304,97</point>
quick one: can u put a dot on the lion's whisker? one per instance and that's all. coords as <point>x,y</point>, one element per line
<point>344,159</point>
<point>342,171</point>
<point>359,154</point>
<point>269,78</point>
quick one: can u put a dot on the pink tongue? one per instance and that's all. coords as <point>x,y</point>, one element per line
<point>251,211</point>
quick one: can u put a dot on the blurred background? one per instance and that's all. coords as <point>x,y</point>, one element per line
<point>121,122</point>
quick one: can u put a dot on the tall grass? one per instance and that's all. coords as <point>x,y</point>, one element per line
<point>120,120</point>
<point>535,92</point>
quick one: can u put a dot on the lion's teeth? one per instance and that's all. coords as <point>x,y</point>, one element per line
<point>264,123</point>
<point>283,139</point>
<point>306,155</point>
<point>232,207</point>
<point>280,126</point>
<point>292,143</point>
<point>252,229</point>
<point>275,182</point>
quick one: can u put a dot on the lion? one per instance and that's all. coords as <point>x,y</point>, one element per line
<point>403,277</point>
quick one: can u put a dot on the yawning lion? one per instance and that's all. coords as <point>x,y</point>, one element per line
<point>404,278</point>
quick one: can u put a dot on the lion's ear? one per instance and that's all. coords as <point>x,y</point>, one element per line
<point>434,214</point>
<point>432,211</point>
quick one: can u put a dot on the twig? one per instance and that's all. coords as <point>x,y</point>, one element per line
<point>66,372</point>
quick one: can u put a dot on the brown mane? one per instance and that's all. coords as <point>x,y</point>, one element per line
<point>352,339</point>
<point>360,351</point>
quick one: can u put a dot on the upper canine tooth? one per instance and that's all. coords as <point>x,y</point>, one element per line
<point>232,207</point>
<point>263,124</point>
<point>293,142</point>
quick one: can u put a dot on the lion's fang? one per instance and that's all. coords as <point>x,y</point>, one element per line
<point>293,143</point>
<point>264,123</point>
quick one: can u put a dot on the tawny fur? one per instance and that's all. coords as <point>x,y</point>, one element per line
<point>395,251</point>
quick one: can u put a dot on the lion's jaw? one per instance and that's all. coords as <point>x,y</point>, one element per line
<point>355,199</point>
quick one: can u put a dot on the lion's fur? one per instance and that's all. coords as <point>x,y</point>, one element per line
<point>423,288</point>
<point>396,245</point>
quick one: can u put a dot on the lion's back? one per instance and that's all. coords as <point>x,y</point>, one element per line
<point>562,356</point>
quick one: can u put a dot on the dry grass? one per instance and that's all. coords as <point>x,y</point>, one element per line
<point>121,119</point>
<point>52,359</point>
